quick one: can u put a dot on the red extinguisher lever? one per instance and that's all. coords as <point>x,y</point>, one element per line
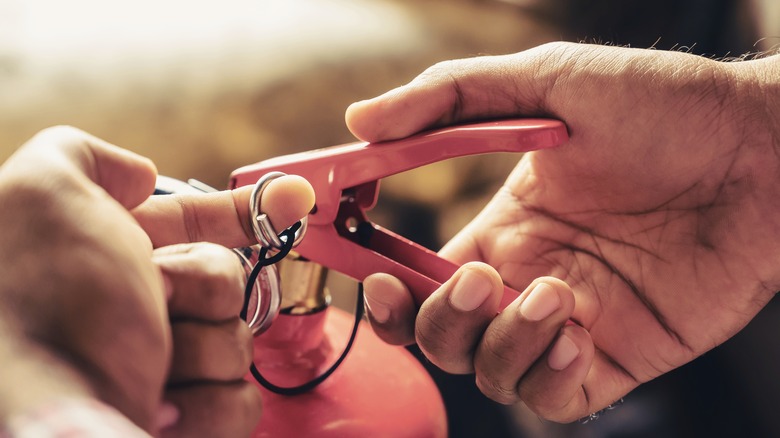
<point>346,178</point>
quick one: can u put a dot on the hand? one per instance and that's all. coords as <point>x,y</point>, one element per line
<point>205,393</point>
<point>660,216</point>
<point>86,301</point>
<point>212,347</point>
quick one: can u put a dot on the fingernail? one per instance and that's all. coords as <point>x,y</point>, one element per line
<point>470,291</point>
<point>167,415</point>
<point>379,311</point>
<point>540,303</point>
<point>563,353</point>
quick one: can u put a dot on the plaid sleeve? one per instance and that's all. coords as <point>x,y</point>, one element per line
<point>72,418</point>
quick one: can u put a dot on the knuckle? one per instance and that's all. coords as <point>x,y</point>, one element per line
<point>207,279</point>
<point>242,404</point>
<point>232,362</point>
<point>497,389</point>
<point>448,75</point>
<point>534,398</point>
<point>440,70</point>
<point>190,219</point>
<point>557,46</point>
<point>220,352</point>
<point>250,409</point>
<point>239,402</point>
<point>210,296</point>
<point>548,407</point>
<point>43,152</point>
<point>242,347</point>
<point>500,346</point>
<point>72,141</point>
<point>430,335</point>
<point>30,192</point>
<point>221,275</point>
<point>441,347</point>
<point>59,133</point>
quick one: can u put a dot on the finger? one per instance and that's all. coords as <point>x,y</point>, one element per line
<point>223,217</point>
<point>210,351</point>
<point>554,387</point>
<point>214,410</point>
<point>519,335</point>
<point>451,321</point>
<point>389,304</point>
<point>127,177</point>
<point>390,308</point>
<point>203,281</point>
<point>462,247</point>
<point>465,89</point>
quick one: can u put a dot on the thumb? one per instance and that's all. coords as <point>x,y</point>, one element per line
<point>223,217</point>
<point>127,177</point>
<point>461,90</point>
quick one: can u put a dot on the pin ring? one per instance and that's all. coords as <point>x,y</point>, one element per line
<point>265,233</point>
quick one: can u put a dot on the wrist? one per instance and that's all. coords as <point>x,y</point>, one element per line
<point>758,93</point>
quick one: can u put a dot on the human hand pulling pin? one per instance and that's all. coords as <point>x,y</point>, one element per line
<point>654,229</point>
<point>109,294</point>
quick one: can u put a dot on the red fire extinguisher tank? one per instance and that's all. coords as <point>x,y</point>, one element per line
<point>378,391</point>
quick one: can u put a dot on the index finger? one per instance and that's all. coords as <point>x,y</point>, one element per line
<point>223,217</point>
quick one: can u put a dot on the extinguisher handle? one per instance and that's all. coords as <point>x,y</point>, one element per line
<point>346,178</point>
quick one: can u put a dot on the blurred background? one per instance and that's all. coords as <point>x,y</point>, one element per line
<point>205,87</point>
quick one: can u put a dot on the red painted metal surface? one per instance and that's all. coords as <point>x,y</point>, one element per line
<point>346,184</point>
<point>378,391</point>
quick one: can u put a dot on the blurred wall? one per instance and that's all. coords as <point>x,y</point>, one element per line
<point>204,89</point>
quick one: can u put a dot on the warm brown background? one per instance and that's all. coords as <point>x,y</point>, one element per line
<point>203,89</point>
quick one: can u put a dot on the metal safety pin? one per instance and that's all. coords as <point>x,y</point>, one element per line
<point>265,233</point>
